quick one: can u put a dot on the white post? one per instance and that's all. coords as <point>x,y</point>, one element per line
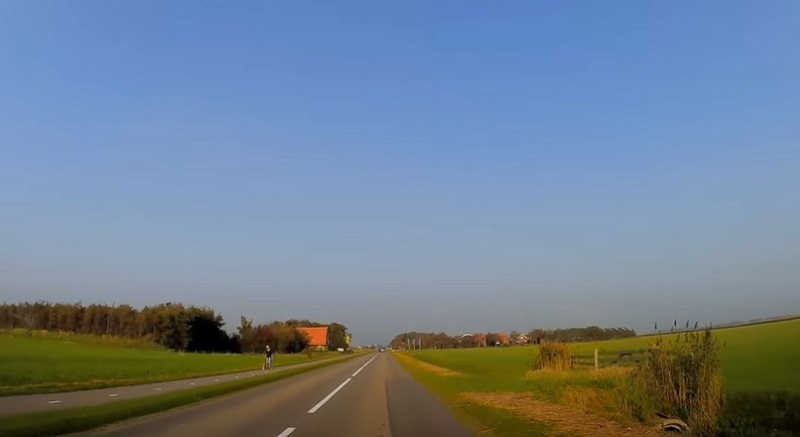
<point>596,359</point>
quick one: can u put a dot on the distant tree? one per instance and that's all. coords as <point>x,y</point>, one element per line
<point>303,323</point>
<point>337,334</point>
<point>206,333</point>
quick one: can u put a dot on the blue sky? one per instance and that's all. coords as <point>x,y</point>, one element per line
<point>444,166</point>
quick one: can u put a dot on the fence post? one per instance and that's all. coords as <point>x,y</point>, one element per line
<point>596,359</point>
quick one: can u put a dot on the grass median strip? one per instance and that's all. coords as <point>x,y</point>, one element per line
<point>81,419</point>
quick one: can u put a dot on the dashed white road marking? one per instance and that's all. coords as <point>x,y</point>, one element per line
<point>216,380</point>
<point>330,395</point>
<point>157,389</point>
<point>191,383</point>
<point>113,395</point>
<point>53,402</point>
<point>286,432</point>
<point>362,367</point>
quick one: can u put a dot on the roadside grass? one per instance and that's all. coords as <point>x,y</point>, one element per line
<point>46,362</point>
<point>483,420</point>
<point>760,366</point>
<point>60,422</point>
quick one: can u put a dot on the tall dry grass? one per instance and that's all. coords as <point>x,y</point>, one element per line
<point>554,356</point>
<point>682,375</point>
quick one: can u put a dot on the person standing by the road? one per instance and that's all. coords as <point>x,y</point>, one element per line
<point>267,359</point>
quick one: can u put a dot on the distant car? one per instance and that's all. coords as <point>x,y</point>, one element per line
<point>381,350</point>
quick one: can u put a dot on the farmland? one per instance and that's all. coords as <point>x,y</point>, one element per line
<point>38,362</point>
<point>758,361</point>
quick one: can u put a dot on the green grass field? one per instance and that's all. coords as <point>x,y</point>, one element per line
<point>754,358</point>
<point>38,362</point>
<point>758,361</point>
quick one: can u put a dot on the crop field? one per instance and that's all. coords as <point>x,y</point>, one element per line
<point>760,364</point>
<point>39,362</point>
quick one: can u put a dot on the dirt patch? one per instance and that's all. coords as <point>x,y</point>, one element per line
<point>441,371</point>
<point>565,419</point>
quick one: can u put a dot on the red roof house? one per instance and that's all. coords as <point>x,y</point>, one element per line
<point>317,336</point>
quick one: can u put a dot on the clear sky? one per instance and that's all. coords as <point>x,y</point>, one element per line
<point>438,166</point>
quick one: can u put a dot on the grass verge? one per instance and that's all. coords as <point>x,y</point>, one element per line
<point>483,420</point>
<point>81,419</point>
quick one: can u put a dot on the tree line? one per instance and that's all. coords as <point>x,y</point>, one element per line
<point>440,340</point>
<point>171,325</point>
<point>589,333</point>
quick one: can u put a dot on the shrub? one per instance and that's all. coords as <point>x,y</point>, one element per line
<point>554,356</point>
<point>683,377</point>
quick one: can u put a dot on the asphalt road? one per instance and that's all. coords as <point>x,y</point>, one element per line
<point>12,405</point>
<point>370,396</point>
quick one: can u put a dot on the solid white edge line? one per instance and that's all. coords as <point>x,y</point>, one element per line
<point>286,432</point>
<point>330,395</point>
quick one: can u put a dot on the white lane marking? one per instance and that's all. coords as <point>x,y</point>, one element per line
<point>113,395</point>
<point>216,380</point>
<point>286,432</point>
<point>362,367</point>
<point>53,402</point>
<point>157,389</point>
<point>330,395</point>
<point>191,383</point>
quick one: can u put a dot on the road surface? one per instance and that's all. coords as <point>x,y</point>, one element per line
<point>369,396</point>
<point>12,405</point>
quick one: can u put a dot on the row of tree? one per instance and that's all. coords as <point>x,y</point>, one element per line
<point>172,325</point>
<point>440,340</point>
<point>424,340</point>
<point>589,333</point>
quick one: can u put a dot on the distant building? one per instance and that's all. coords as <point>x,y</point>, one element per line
<point>317,337</point>
<point>521,339</point>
